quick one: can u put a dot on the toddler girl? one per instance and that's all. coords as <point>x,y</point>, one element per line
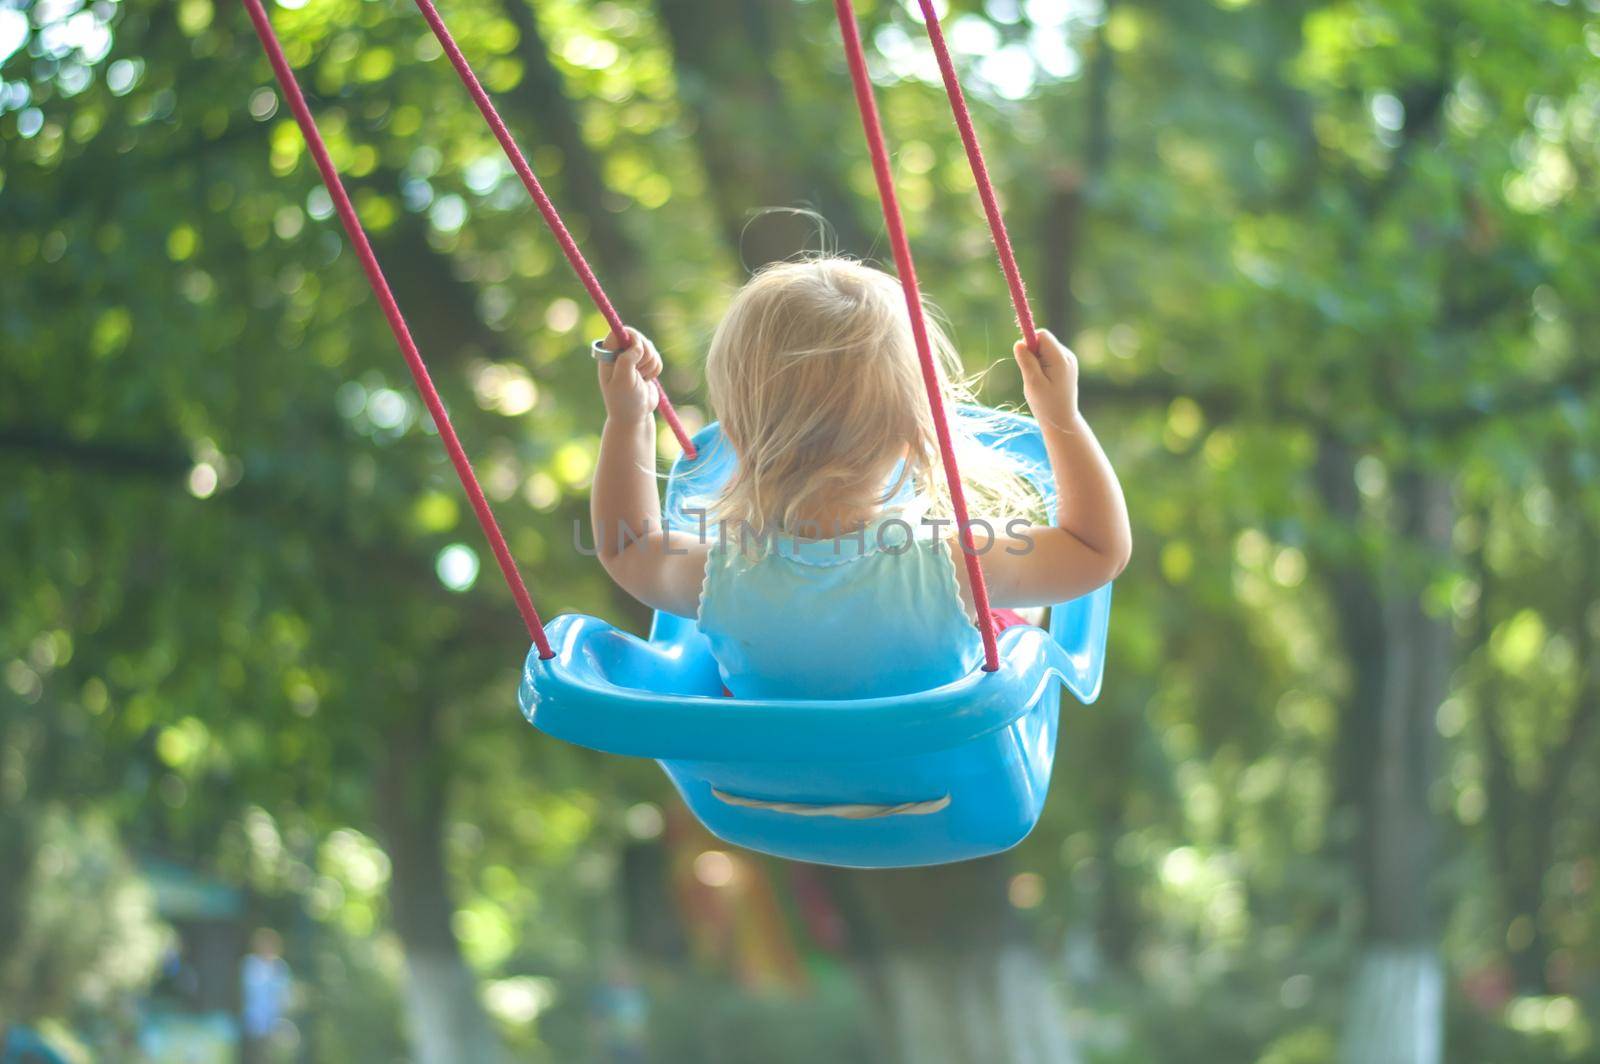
<point>827,567</point>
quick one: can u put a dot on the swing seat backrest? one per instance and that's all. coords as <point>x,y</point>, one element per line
<point>956,771</point>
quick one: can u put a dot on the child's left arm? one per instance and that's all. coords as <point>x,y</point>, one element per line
<point>662,569</point>
<point>1091,541</point>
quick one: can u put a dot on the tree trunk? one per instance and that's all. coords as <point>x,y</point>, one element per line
<point>1105,782</point>
<point>724,51</point>
<point>442,308</point>
<point>953,980</point>
<point>1395,1011</point>
<point>1070,189</point>
<point>541,97</point>
<point>1400,662</point>
<point>447,1022</point>
<point>1523,821</point>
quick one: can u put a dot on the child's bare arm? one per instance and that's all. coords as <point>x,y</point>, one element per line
<point>1091,541</point>
<point>662,569</point>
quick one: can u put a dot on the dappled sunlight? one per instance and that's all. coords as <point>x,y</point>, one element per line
<point>1329,272</point>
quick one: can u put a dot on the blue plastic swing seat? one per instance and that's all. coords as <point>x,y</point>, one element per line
<point>954,772</point>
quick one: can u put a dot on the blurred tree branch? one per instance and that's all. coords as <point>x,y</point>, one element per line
<point>99,455</point>
<point>260,496</point>
<point>1526,396</point>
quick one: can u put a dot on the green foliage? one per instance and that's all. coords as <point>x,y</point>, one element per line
<point>1308,253</point>
<point>84,935</point>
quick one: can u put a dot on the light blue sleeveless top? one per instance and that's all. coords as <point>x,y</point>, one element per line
<point>862,616</point>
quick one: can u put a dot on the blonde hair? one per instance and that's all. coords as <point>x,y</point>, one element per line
<point>814,376</point>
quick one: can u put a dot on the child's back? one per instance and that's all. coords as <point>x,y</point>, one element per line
<point>877,612</point>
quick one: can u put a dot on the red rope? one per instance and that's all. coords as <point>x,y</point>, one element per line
<point>397,324</point>
<point>873,127</point>
<point>980,174</point>
<point>547,209</point>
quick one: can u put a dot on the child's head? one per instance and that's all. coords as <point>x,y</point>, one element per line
<point>815,378</point>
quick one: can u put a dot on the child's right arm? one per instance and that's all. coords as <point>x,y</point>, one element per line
<point>1091,541</point>
<point>660,567</point>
